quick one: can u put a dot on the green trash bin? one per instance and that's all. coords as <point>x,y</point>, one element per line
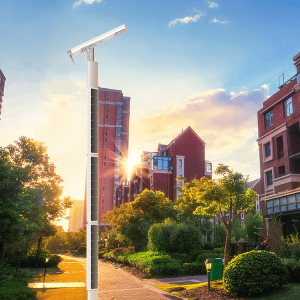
<point>216,272</point>
<point>74,252</point>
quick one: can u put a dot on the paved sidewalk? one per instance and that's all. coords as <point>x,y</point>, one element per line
<point>116,283</point>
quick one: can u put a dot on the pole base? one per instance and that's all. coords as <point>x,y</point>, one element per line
<point>92,295</point>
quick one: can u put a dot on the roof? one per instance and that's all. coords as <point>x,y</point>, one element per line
<point>182,133</point>
<point>252,183</point>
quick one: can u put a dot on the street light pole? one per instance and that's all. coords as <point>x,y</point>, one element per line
<point>92,156</point>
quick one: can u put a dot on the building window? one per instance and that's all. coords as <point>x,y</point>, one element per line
<point>180,163</point>
<point>119,146</point>
<point>269,178</point>
<point>119,123</point>
<point>105,145</point>
<point>119,111</point>
<point>118,152</point>
<point>107,105</point>
<point>117,170</point>
<point>107,99</point>
<point>119,117</point>
<point>288,107</point>
<point>281,170</point>
<point>269,119</point>
<point>119,128</point>
<point>116,182</point>
<point>107,93</point>
<point>120,106</point>
<point>106,122</point>
<point>117,164</point>
<point>106,127</point>
<point>242,216</point>
<point>118,158</point>
<point>117,176</point>
<point>106,116</point>
<point>268,149</point>
<point>279,143</point>
<point>118,140</point>
<point>107,110</point>
<point>118,134</point>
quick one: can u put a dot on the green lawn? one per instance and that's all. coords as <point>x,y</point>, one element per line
<point>288,292</point>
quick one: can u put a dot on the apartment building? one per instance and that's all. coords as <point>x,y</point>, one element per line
<point>183,156</point>
<point>76,216</point>
<point>279,152</point>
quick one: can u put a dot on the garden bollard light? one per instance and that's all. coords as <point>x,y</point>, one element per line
<point>208,267</point>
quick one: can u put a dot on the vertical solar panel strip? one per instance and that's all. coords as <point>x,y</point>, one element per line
<point>94,188</point>
<point>94,256</point>
<point>94,121</point>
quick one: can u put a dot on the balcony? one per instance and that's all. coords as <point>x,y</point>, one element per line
<point>161,163</point>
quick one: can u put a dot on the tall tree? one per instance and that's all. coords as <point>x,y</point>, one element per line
<point>216,197</point>
<point>41,200</point>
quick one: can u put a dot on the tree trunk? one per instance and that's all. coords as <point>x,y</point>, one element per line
<point>227,246</point>
<point>38,251</point>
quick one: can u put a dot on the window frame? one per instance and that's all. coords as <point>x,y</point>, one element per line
<point>269,122</point>
<point>288,107</point>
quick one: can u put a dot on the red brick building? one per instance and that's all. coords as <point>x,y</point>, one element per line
<point>279,152</point>
<point>113,140</point>
<point>2,84</point>
<point>184,155</point>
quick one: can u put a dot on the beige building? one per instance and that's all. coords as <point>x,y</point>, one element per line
<point>76,215</point>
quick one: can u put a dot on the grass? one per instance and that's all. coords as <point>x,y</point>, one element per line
<point>288,292</point>
<point>71,271</point>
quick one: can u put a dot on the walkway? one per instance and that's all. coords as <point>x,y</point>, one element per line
<point>116,283</point>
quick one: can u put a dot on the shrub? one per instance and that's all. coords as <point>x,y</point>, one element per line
<point>204,255</point>
<point>53,261</point>
<point>194,268</point>
<point>254,272</point>
<point>30,262</point>
<point>293,268</point>
<point>175,238</point>
<point>102,252</point>
<point>16,288</point>
<point>81,250</point>
<point>290,247</point>
<point>170,269</point>
<point>180,257</point>
<point>219,251</point>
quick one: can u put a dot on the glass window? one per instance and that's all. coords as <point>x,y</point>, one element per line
<point>269,119</point>
<point>291,206</point>
<point>119,146</point>
<point>118,158</point>
<point>118,134</point>
<point>269,203</point>
<point>119,123</point>
<point>180,163</point>
<point>119,128</point>
<point>107,93</point>
<point>116,182</point>
<point>270,210</point>
<point>120,106</point>
<point>117,164</point>
<point>298,197</point>
<point>107,105</point>
<point>105,145</point>
<point>275,202</point>
<point>119,111</point>
<point>269,178</point>
<point>118,152</point>
<point>268,149</point>
<point>117,176</point>
<point>276,209</point>
<point>118,140</point>
<point>119,117</point>
<point>288,107</point>
<point>283,208</point>
<point>282,200</point>
<point>290,198</point>
<point>117,170</point>
<point>107,99</point>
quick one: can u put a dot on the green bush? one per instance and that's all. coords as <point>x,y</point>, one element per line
<point>194,268</point>
<point>12,288</point>
<point>219,251</point>
<point>102,252</point>
<point>175,238</point>
<point>293,268</point>
<point>204,255</point>
<point>290,247</point>
<point>254,273</point>
<point>53,261</point>
<point>180,257</point>
<point>169,269</point>
<point>30,262</point>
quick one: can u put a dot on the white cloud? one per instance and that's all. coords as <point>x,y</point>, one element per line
<point>76,4</point>
<point>217,21</point>
<point>213,5</point>
<point>186,20</point>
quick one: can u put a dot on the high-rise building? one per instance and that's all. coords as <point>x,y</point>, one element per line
<point>279,151</point>
<point>76,216</point>
<point>2,83</point>
<point>113,133</point>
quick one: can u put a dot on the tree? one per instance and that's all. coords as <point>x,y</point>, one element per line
<point>216,197</point>
<point>238,231</point>
<point>253,224</point>
<point>132,220</point>
<point>39,189</point>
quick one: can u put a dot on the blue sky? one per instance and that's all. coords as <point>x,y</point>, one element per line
<point>207,64</point>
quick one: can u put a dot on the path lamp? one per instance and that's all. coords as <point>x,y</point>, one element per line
<point>208,267</point>
<point>92,156</point>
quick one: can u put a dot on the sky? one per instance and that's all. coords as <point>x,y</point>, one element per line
<point>205,64</point>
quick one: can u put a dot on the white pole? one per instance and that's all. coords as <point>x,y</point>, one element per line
<point>92,178</point>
